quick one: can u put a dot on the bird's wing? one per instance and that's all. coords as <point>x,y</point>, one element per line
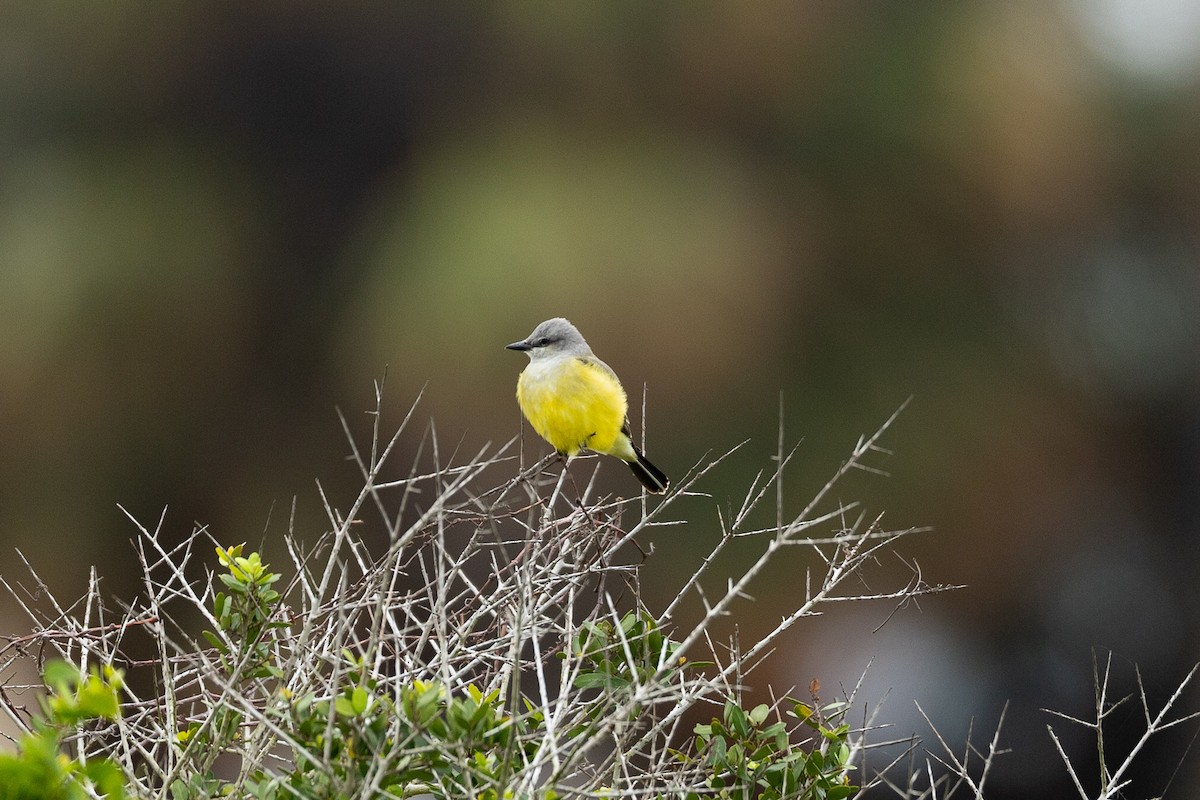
<point>592,361</point>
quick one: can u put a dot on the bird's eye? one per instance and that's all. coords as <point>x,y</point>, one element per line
<point>542,342</point>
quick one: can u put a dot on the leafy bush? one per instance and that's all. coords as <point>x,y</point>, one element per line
<point>468,630</point>
<point>37,771</point>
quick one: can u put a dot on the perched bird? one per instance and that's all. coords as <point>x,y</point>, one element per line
<point>574,400</point>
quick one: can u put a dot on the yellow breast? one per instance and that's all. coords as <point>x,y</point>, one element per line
<point>574,404</point>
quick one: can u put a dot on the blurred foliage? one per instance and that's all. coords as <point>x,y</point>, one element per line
<point>38,770</point>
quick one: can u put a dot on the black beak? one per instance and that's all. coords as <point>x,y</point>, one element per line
<point>521,345</point>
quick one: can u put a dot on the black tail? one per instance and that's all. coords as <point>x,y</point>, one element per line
<point>651,476</point>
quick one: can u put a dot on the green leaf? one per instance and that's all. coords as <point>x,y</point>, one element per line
<point>735,717</point>
<point>359,699</point>
<point>599,680</point>
<point>108,780</point>
<point>97,699</point>
<point>344,706</point>
<point>717,747</point>
<point>233,583</point>
<point>59,675</point>
<point>226,556</point>
<point>805,714</point>
<point>759,713</point>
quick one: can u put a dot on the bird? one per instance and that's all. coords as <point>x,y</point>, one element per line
<point>575,401</point>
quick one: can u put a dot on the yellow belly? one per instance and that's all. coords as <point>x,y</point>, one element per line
<point>573,404</point>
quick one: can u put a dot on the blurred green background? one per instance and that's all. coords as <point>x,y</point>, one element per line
<point>219,222</point>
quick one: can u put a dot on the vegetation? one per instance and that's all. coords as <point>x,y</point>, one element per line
<point>498,647</point>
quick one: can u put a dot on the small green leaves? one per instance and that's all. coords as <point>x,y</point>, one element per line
<point>75,698</point>
<point>460,742</point>
<point>353,703</point>
<point>350,727</point>
<point>244,571</point>
<point>247,614</point>
<point>745,757</point>
<point>38,769</point>
<point>631,653</point>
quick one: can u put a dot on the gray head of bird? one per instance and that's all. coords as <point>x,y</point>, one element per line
<point>553,337</point>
